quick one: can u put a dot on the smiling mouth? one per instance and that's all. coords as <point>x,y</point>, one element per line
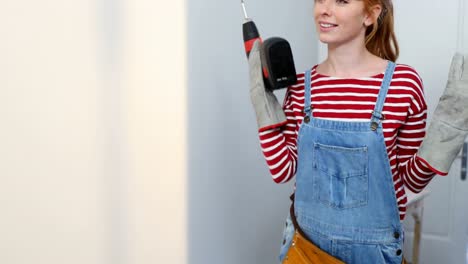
<point>327,25</point>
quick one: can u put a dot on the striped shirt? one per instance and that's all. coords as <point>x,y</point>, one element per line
<point>353,99</point>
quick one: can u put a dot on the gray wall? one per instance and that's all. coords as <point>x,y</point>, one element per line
<point>236,211</point>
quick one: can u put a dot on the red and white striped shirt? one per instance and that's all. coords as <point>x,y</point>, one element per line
<point>353,99</point>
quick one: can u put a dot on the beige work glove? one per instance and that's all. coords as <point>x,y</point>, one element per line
<point>449,125</point>
<point>267,108</point>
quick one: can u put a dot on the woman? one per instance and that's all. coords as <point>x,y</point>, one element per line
<point>349,131</point>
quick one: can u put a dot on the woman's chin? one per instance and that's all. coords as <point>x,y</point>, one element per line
<point>325,40</point>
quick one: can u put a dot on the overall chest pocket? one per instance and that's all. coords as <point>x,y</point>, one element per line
<point>341,175</point>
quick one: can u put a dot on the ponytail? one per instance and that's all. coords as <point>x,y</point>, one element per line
<point>380,36</point>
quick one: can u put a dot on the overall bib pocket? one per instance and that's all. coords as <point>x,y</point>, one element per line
<point>341,178</point>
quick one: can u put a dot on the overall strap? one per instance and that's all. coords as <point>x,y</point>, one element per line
<point>307,104</point>
<point>377,115</point>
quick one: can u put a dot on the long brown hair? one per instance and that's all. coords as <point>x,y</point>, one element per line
<point>380,36</point>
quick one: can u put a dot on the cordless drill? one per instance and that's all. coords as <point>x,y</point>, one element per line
<point>276,56</point>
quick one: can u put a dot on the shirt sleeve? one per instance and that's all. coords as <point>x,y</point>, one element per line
<point>279,144</point>
<point>415,174</point>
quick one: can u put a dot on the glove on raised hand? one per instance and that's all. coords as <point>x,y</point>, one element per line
<point>449,125</point>
<point>267,108</point>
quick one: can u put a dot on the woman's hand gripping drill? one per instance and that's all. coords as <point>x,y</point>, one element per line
<point>267,108</point>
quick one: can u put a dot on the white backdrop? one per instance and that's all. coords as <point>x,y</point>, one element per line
<point>236,211</point>
<point>128,136</point>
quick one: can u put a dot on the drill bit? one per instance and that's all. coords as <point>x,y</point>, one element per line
<point>243,8</point>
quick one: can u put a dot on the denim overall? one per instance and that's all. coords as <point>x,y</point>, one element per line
<point>345,199</point>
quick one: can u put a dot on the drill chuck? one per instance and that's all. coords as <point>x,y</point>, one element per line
<point>251,34</point>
